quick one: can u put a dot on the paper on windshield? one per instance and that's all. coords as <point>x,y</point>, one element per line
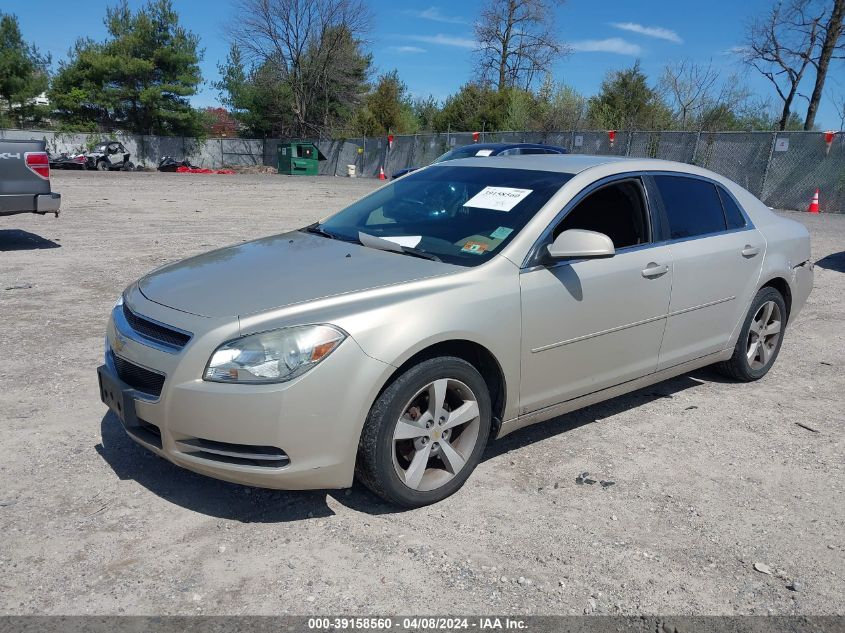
<point>484,152</point>
<point>409,241</point>
<point>497,198</point>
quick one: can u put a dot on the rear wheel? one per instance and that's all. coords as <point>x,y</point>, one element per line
<point>426,433</point>
<point>102,166</point>
<point>760,338</point>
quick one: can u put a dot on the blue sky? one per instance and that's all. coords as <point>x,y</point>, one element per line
<point>430,42</point>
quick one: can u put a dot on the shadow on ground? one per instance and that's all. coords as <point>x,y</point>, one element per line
<point>256,505</point>
<point>834,261</point>
<point>17,240</point>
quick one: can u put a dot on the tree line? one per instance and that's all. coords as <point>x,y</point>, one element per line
<point>301,68</point>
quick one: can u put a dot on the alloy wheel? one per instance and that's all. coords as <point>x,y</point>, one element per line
<point>763,335</point>
<point>436,434</point>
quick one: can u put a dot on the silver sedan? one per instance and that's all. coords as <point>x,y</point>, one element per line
<point>462,302</point>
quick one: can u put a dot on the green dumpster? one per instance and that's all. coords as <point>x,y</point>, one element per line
<point>300,158</point>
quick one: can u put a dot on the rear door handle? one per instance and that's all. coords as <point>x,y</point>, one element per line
<point>750,251</point>
<point>653,270</point>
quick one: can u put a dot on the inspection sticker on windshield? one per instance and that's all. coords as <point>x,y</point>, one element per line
<point>484,152</point>
<point>501,233</point>
<point>497,198</point>
<point>474,247</point>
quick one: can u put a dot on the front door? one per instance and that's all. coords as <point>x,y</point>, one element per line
<point>594,323</point>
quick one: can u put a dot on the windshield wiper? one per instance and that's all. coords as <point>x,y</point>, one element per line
<point>317,230</point>
<point>374,241</point>
<point>415,252</point>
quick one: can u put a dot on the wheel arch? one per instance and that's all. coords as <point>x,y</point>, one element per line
<point>782,286</point>
<point>476,355</point>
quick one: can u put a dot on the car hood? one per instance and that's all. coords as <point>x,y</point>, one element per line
<point>278,271</point>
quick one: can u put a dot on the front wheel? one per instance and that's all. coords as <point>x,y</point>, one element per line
<point>426,432</point>
<point>102,166</point>
<point>760,338</point>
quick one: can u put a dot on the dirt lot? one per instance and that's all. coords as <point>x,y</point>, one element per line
<point>711,476</point>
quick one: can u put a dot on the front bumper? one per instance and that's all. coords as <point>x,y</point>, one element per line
<point>301,434</point>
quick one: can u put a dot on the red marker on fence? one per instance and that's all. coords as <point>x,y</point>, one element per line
<point>828,139</point>
<point>611,134</point>
<point>390,141</point>
<point>475,136</point>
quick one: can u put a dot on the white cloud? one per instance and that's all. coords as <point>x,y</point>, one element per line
<point>406,49</point>
<point>433,14</point>
<point>609,45</point>
<point>443,40</point>
<point>657,32</point>
<point>736,50</point>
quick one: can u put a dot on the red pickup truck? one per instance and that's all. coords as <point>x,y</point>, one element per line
<point>25,179</point>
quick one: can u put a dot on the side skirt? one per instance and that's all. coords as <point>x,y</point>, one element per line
<point>555,410</point>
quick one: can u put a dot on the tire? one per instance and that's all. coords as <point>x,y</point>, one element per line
<point>386,463</point>
<point>102,166</point>
<point>746,364</point>
<point>128,166</point>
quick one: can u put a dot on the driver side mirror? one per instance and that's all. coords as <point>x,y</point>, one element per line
<point>581,244</point>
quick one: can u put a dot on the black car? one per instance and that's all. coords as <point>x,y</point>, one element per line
<point>490,149</point>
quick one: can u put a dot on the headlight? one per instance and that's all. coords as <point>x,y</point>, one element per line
<point>274,356</point>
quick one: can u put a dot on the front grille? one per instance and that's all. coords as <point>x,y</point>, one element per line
<point>239,454</point>
<point>155,331</point>
<point>138,378</point>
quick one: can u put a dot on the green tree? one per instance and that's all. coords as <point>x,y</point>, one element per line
<point>475,107</point>
<point>425,111</point>
<point>23,73</point>
<point>138,79</point>
<point>560,107</point>
<point>626,101</point>
<point>258,98</point>
<point>388,108</point>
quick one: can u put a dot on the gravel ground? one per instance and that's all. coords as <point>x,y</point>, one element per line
<point>711,477</point>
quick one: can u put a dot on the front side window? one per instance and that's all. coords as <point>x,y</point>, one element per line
<point>692,206</point>
<point>461,215</point>
<point>618,210</point>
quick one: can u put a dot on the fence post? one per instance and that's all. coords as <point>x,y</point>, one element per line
<point>695,147</point>
<point>628,144</point>
<point>768,164</point>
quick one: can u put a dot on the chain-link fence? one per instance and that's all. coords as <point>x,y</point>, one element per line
<point>781,168</point>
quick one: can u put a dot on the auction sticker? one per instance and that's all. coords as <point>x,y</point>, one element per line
<point>474,247</point>
<point>497,198</point>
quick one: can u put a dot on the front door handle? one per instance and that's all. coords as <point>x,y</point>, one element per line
<point>653,270</point>
<point>750,251</point>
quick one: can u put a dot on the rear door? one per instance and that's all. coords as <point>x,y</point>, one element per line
<point>717,255</point>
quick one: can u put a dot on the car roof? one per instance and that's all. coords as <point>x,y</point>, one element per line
<point>503,146</point>
<point>564,163</point>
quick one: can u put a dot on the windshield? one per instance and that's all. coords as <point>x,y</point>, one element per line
<point>464,152</point>
<point>461,215</point>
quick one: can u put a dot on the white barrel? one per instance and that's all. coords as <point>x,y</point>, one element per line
<point>350,171</point>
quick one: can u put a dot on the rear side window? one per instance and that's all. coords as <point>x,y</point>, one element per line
<point>733,215</point>
<point>692,206</point>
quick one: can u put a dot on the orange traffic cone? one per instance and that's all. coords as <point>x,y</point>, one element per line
<point>382,177</point>
<point>814,203</point>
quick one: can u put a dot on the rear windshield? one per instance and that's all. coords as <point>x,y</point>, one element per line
<point>462,215</point>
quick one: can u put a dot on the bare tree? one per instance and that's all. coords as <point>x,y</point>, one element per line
<point>839,103</point>
<point>832,45</point>
<point>311,43</point>
<point>688,86</point>
<point>516,41</point>
<point>781,45</point>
